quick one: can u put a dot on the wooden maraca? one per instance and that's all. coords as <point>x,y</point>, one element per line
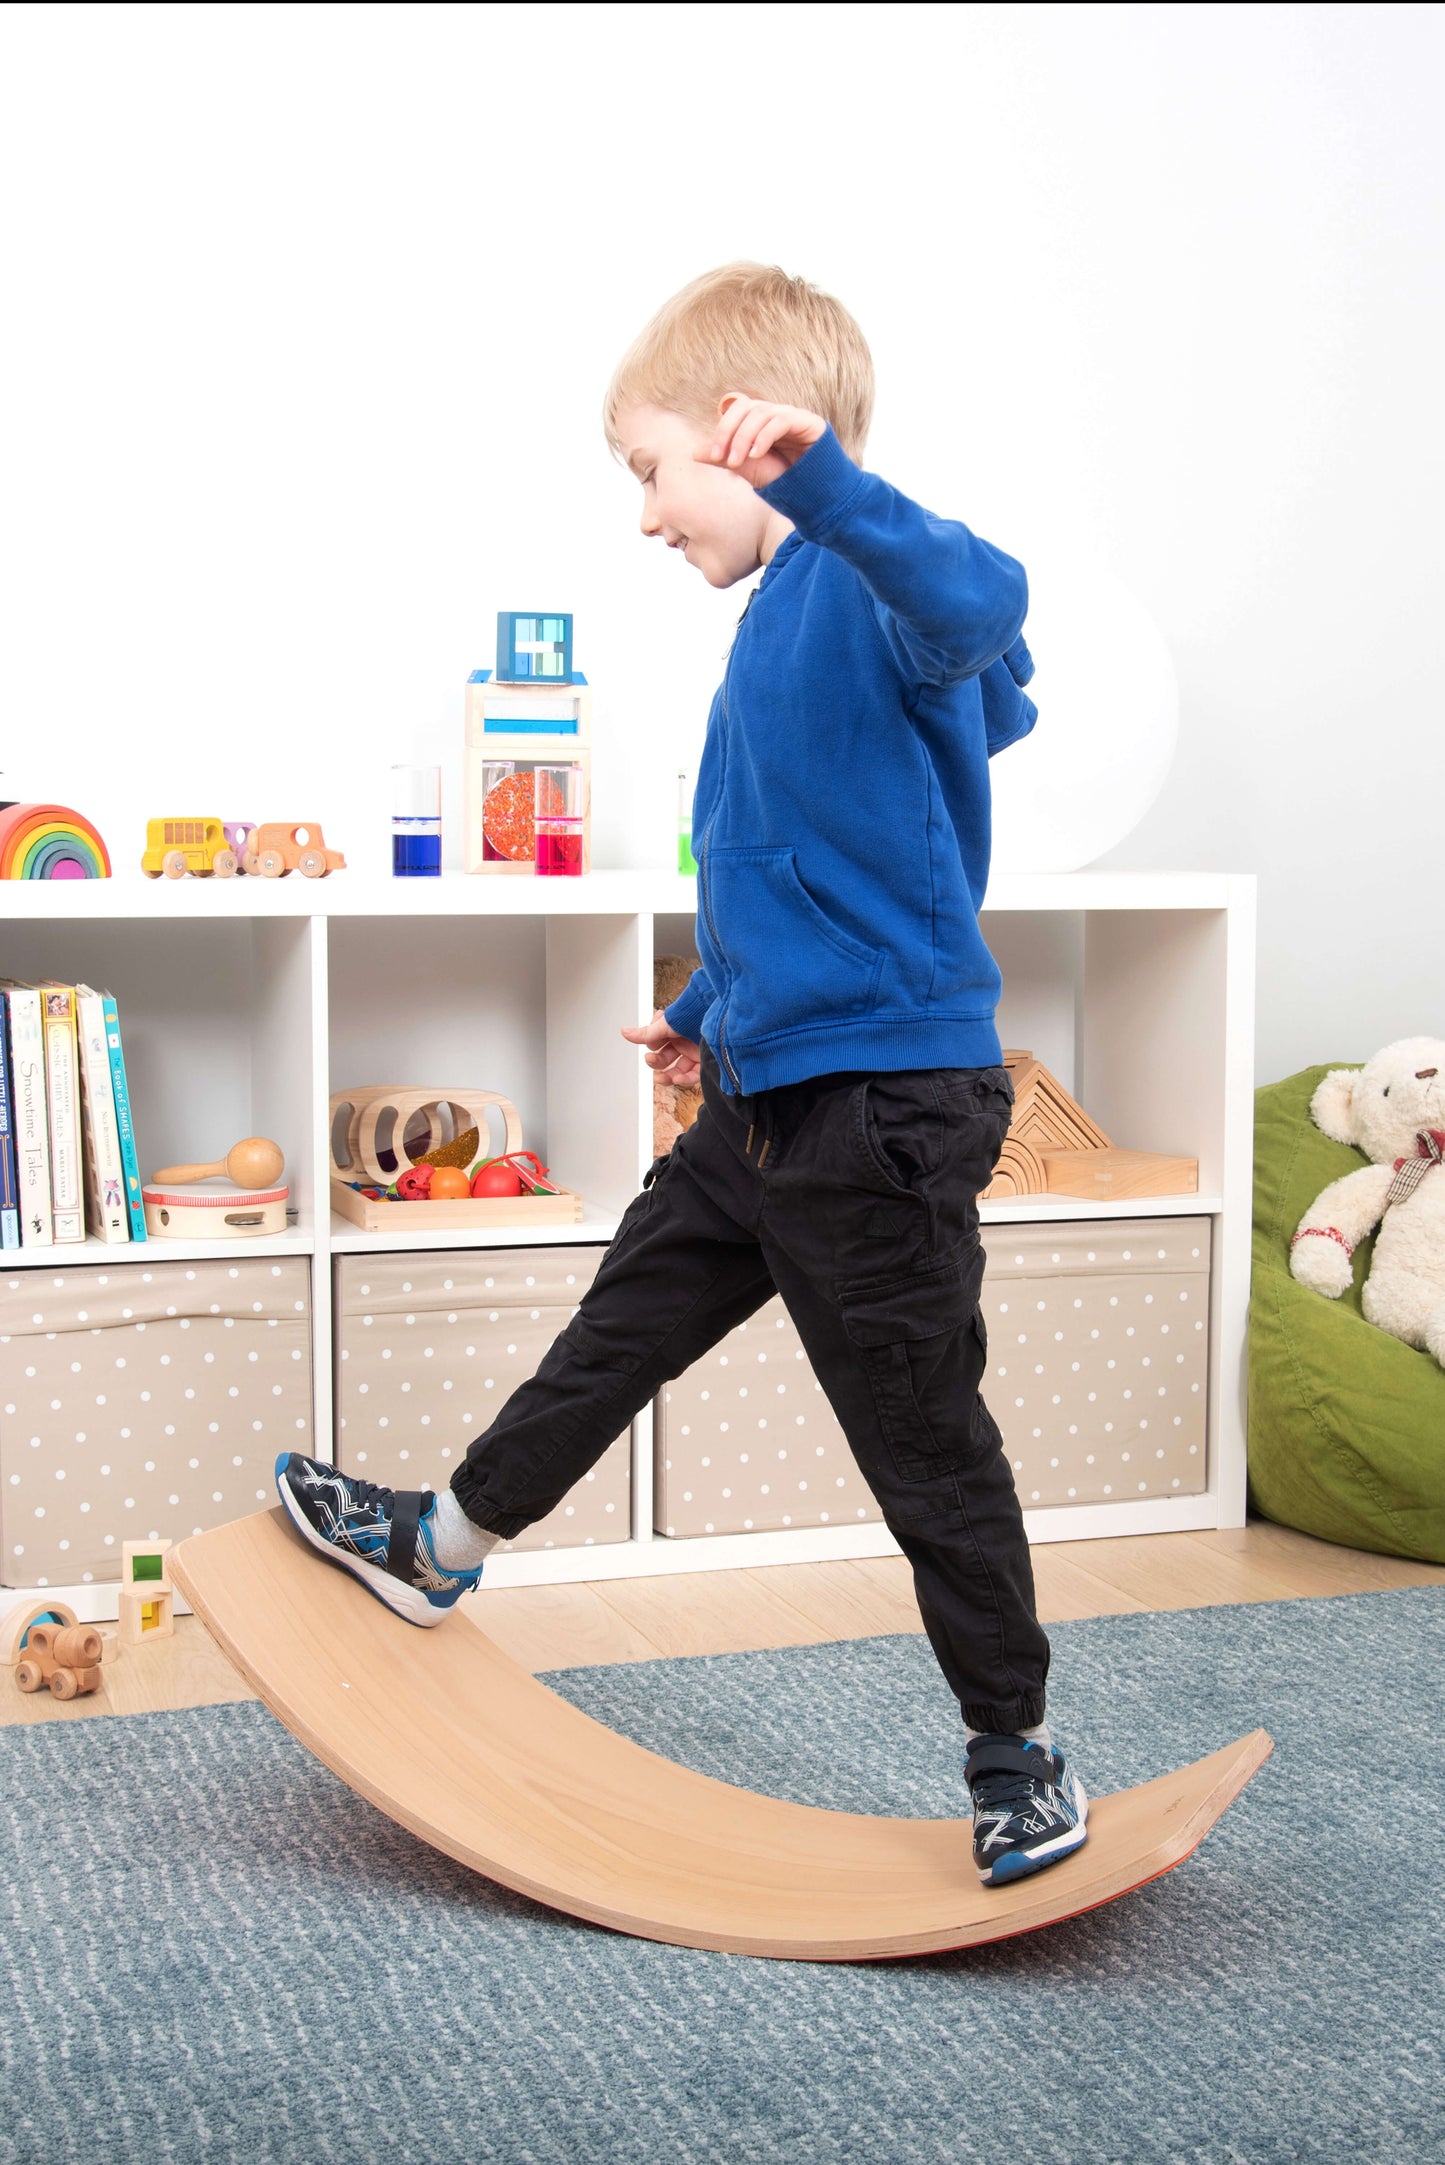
<point>255,1162</point>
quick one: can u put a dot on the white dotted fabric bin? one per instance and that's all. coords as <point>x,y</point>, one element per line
<point>745,1440</point>
<point>143,1402</point>
<point>1096,1375</point>
<point>1098,1352</point>
<point>430,1346</point>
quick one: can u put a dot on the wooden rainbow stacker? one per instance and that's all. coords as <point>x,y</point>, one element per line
<point>452,1740</point>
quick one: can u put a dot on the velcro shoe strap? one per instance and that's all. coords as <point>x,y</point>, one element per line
<point>408,1507</point>
<point>1005,1757</point>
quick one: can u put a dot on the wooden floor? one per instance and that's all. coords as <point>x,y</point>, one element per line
<point>719,1612</point>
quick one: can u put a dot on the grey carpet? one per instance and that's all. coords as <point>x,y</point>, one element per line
<point>209,1949</point>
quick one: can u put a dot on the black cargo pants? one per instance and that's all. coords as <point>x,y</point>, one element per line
<point>854,1195</point>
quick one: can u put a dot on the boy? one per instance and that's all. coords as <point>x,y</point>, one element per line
<point>842,1022</point>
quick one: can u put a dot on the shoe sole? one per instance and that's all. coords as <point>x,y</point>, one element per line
<point>1019,1863</point>
<point>408,1602</point>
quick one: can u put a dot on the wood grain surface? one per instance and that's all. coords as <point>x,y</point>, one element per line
<point>456,1742</point>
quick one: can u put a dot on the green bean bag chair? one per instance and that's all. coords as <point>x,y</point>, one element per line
<point>1346,1423</point>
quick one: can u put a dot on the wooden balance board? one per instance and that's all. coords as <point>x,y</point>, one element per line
<point>454,1741</point>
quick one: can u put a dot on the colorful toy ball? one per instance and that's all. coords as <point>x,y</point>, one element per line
<point>50,842</point>
<point>496,1177</point>
<point>448,1184</point>
<point>414,1185</point>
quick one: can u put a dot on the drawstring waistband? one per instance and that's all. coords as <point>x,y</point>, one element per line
<point>767,1143</point>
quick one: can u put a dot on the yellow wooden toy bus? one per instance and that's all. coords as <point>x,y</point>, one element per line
<point>178,846</point>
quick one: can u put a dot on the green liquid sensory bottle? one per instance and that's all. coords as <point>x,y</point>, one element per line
<point>686,862</point>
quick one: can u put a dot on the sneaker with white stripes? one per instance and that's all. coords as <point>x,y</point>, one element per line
<point>382,1536</point>
<point>1029,1809</point>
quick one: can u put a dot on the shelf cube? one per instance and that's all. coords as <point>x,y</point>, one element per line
<point>431,1345</point>
<point>162,1394</point>
<point>1097,1373</point>
<point>746,1441</point>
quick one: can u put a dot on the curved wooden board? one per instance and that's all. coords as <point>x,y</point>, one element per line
<point>454,1741</point>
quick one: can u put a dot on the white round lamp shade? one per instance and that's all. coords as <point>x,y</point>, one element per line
<point>1108,702</point>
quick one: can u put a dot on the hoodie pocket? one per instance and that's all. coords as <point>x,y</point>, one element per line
<point>790,964</point>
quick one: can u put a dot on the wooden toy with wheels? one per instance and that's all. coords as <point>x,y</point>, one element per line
<point>276,848</point>
<point>178,846</point>
<point>64,1656</point>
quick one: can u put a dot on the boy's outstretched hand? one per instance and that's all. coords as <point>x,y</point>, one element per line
<point>759,439</point>
<point>676,1059</point>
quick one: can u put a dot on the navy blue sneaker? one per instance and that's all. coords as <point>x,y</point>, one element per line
<point>381,1536</point>
<point>1029,1810</point>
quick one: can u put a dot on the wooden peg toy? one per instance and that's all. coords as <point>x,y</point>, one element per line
<point>255,1162</point>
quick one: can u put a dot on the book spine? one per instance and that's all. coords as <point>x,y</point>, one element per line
<point>104,1173</point>
<point>135,1202</point>
<point>32,1127</point>
<point>9,1163</point>
<point>62,1081</point>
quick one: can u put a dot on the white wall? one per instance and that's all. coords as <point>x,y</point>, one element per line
<point>309,312</point>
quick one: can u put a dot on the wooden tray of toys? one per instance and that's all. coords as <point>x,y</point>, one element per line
<point>379,1184</point>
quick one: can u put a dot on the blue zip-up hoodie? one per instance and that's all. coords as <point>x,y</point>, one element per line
<point>842,810</point>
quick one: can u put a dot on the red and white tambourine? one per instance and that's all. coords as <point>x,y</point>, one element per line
<point>226,1213</point>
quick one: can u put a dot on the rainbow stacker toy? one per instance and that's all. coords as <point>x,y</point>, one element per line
<point>50,842</point>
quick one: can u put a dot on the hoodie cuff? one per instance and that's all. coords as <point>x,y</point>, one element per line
<point>814,491</point>
<point>692,1003</point>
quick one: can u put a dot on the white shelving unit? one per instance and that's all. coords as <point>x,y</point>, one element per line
<point>246,1002</point>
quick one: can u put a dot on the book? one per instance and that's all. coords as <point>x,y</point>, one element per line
<point>29,1112</point>
<point>130,1165</point>
<point>109,1218</point>
<point>9,1164</point>
<point>62,1091</point>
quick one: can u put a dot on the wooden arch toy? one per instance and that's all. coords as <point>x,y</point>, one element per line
<point>452,1740</point>
<point>16,1622</point>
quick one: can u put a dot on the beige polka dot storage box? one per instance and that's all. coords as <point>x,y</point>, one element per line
<point>1098,1353</point>
<point>745,1440</point>
<point>1097,1335</point>
<point>429,1348</point>
<point>144,1401</point>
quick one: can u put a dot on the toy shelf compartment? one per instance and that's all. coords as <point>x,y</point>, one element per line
<point>217,1025</point>
<point>246,1003</point>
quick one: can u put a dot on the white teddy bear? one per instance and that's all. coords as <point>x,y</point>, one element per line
<point>1393,1108</point>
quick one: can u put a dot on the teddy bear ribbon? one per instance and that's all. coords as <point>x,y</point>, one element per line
<point>1409,1172</point>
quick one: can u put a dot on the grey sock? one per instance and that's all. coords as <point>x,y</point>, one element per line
<point>457,1542</point>
<point>1040,1735</point>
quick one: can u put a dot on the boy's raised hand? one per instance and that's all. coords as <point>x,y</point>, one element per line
<point>759,439</point>
<point>676,1059</point>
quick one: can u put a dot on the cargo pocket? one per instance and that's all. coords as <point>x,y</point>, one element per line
<point>920,1341</point>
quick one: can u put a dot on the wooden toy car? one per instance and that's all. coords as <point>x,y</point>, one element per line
<point>64,1656</point>
<point>238,834</point>
<point>276,848</point>
<point>178,846</point>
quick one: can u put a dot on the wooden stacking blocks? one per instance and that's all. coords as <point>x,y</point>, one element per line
<point>511,730</point>
<point>1054,1148</point>
<point>147,1600</point>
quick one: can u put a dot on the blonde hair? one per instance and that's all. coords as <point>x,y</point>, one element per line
<point>748,327</point>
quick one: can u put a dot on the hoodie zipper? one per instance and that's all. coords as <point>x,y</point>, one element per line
<point>704,857</point>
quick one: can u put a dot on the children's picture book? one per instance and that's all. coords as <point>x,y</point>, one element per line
<point>130,1164</point>
<point>62,1085</point>
<point>9,1167</point>
<point>29,1112</point>
<point>106,1211</point>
